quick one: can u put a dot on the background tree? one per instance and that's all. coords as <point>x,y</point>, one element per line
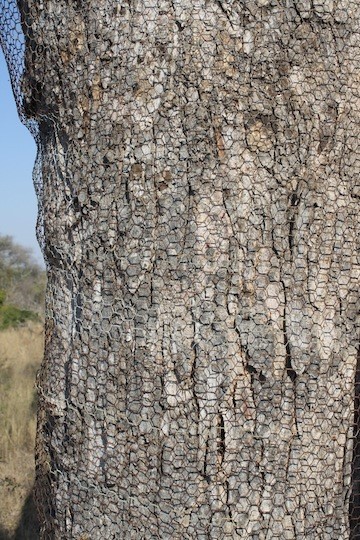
<point>22,284</point>
<point>200,217</point>
<point>22,279</point>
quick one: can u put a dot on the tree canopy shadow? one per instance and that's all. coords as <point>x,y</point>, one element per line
<point>28,525</point>
<point>3,534</point>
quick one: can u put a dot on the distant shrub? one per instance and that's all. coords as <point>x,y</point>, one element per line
<point>2,297</point>
<point>11,316</point>
<point>22,278</point>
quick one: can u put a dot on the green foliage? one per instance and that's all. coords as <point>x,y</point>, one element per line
<point>12,316</point>
<point>22,284</point>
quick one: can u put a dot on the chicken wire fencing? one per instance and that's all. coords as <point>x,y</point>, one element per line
<point>198,184</point>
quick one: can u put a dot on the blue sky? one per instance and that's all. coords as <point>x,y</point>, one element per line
<point>18,206</point>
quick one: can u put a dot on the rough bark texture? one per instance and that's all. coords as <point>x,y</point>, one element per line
<point>200,165</point>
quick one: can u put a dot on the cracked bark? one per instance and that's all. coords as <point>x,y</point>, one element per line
<point>202,159</point>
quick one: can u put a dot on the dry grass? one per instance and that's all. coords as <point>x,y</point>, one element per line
<point>20,356</point>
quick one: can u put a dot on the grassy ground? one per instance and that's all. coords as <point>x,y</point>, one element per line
<point>20,355</point>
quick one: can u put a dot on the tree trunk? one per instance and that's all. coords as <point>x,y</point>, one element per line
<point>200,165</point>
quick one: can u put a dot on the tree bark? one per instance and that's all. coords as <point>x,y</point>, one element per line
<point>200,188</point>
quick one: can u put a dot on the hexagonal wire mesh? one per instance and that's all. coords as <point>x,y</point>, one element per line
<point>198,180</point>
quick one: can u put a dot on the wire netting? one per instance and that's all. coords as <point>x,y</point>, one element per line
<point>198,184</point>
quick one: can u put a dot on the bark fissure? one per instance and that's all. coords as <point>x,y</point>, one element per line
<point>294,201</point>
<point>221,448</point>
<point>290,371</point>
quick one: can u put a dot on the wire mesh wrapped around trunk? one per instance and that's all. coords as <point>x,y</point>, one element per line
<point>198,184</point>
